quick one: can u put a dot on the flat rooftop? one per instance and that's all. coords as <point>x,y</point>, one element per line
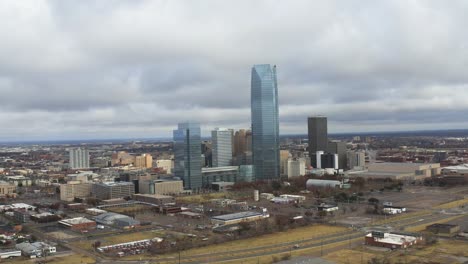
<point>75,221</point>
<point>235,216</point>
<point>156,196</point>
<point>394,239</point>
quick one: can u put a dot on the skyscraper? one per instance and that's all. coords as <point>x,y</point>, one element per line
<point>221,139</point>
<point>79,158</point>
<point>265,124</point>
<point>187,155</point>
<point>318,137</point>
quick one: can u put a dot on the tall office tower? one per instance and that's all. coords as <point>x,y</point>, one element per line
<point>240,138</point>
<point>265,124</point>
<point>355,159</point>
<point>187,155</point>
<point>79,158</point>
<point>318,137</point>
<point>221,139</point>
<point>338,147</point>
<point>284,157</point>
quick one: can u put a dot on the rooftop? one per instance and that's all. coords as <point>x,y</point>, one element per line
<point>114,183</point>
<point>235,216</point>
<point>75,221</point>
<point>395,239</point>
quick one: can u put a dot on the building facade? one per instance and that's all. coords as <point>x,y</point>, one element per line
<point>221,147</point>
<point>187,155</point>
<point>356,159</point>
<point>144,161</point>
<point>72,190</point>
<point>265,123</point>
<point>79,158</point>
<point>339,148</point>
<point>162,187</point>
<point>7,189</point>
<point>296,167</point>
<point>220,174</point>
<point>318,136</point>
<point>113,190</point>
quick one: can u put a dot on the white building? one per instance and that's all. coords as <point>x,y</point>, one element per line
<point>296,167</point>
<point>165,164</point>
<point>79,158</point>
<point>222,147</point>
<point>36,249</point>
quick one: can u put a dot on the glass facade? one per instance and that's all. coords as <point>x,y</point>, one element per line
<point>265,124</point>
<point>187,155</point>
<point>221,139</point>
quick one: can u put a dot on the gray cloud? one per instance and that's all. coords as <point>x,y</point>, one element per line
<point>93,69</point>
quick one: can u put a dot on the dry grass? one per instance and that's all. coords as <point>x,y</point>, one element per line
<point>402,217</point>
<point>201,198</point>
<point>71,259</point>
<point>271,239</point>
<point>453,204</point>
<point>350,256</point>
<point>422,227</point>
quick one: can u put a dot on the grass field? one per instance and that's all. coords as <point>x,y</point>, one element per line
<point>201,198</point>
<point>117,239</point>
<point>421,227</point>
<point>445,251</point>
<point>402,217</point>
<point>71,259</point>
<point>452,204</point>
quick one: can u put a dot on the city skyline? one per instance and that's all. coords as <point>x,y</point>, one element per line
<point>130,69</point>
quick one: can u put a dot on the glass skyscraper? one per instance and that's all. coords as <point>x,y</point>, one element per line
<point>187,155</point>
<point>265,124</point>
<point>221,139</point>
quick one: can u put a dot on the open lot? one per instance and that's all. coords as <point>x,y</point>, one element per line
<point>445,251</point>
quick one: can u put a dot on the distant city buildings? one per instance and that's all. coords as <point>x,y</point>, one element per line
<point>113,190</point>
<point>79,158</point>
<point>187,155</point>
<point>265,124</point>
<point>144,161</point>
<point>318,137</point>
<point>221,147</point>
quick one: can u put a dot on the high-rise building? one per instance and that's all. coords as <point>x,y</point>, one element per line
<point>356,159</point>
<point>339,148</point>
<point>240,139</point>
<point>329,161</point>
<point>187,155</point>
<point>221,139</point>
<point>79,158</point>
<point>296,167</point>
<point>284,157</point>
<point>318,136</point>
<point>144,161</point>
<point>265,124</point>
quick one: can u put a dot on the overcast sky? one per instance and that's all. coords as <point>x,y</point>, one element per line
<point>128,69</point>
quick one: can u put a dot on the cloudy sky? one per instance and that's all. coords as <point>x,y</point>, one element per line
<point>127,69</point>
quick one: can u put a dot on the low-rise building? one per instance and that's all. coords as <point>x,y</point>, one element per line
<point>219,174</point>
<point>78,223</point>
<point>118,220</point>
<point>236,218</point>
<point>19,180</point>
<point>36,249</point>
<point>7,189</point>
<point>443,229</point>
<point>391,240</point>
<point>157,199</point>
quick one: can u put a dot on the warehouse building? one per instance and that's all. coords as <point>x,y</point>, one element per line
<point>323,183</point>
<point>391,240</point>
<point>444,229</point>
<point>36,249</point>
<point>399,171</point>
<point>157,199</point>
<point>236,218</point>
<point>78,223</point>
<point>118,220</point>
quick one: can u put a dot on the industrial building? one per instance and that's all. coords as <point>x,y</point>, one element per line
<point>78,223</point>
<point>36,249</point>
<point>391,240</point>
<point>323,183</point>
<point>118,220</point>
<point>157,199</point>
<point>443,229</point>
<point>113,190</point>
<point>399,171</point>
<point>236,218</point>
<point>460,170</point>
